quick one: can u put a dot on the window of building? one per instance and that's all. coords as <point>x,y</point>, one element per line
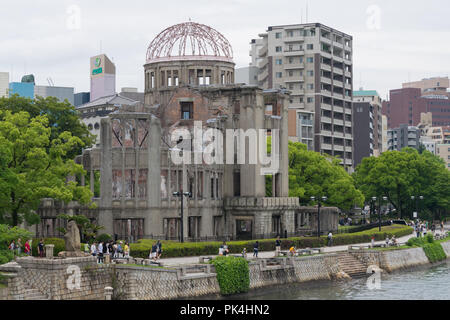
<point>310,47</point>
<point>279,61</point>
<point>186,110</point>
<point>278,49</point>
<point>310,73</point>
<point>310,86</point>
<point>310,100</point>
<point>291,73</point>
<point>278,35</point>
<point>279,74</point>
<point>310,59</point>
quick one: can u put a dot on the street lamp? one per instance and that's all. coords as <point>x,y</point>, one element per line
<point>417,203</point>
<point>324,199</point>
<point>374,199</point>
<point>181,194</point>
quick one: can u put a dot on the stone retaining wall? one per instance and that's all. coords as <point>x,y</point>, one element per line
<point>446,246</point>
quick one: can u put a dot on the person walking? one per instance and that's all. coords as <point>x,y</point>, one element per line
<point>41,248</point>
<point>27,248</point>
<point>373,241</point>
<point>126,250</point>
<point>225,248</point>
<point>94,249</point>
<point>159,252</point>
<point>19,246</point>
<point>153,251</point>
<point>100,252</point>
<point>255,249</point>
<point>12,246</point>
<point>330,239</point>
<point>86,248</point>
<point>277,247</point>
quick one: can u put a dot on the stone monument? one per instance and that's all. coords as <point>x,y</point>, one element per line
<point>72,241</point>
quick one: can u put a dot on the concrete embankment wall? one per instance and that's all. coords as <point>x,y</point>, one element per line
<point>446,246</point>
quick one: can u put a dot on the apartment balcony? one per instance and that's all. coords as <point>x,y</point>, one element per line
<point>326,146</point>
<point>325,119</point>
<point>326,133</point>
<point>338,45</point>
<point>325,80</point>
<point>338,122</point>
<point>263,63</point>
<point>297,92</point>
<point>338,71</point>
<point>338,83</point>
<point>325,106</point>
<point>293,39</point>
<point>338,109</point>
<point>262,76</point>
<point>325,92</point>
<point>326,54</point>
<point>338,134</point>
<point>297,105</point>
<point>325,40</point>
<point>291,66</point>
<point>338,58</point>
<point>338,147</point>
<point>348,74</point>
<point>349,162</point>
<point>293,80</point>
<point>347,61</point>
<point>293,53</point>
<point>348,149</point>
<point>325,67</point>
<point>348,86</point>
<point>263,51</point>
<point>348,111</point>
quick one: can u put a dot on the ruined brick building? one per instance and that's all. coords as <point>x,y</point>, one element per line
<point>189,80</point>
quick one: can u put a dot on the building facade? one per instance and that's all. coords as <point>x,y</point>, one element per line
<point>103,77</point>
<point>4,84</point>
<point>81,98</point>
<point>431,86</point>
<point>367,125</point>
<point>225,199</point>
<point>61,93</point>
<point>314,62</point>
<point>402,137</point>
<point>23,89</point>
<point>443,151</point>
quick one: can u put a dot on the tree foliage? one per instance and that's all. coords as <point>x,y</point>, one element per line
<point>312,174</point>
<point>62,116</point>
<point>88,230</point>
<point>35,166</point>
<point>398,175</point>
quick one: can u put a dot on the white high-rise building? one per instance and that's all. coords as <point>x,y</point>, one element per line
<point>103,77</point>
<point>4,84</point>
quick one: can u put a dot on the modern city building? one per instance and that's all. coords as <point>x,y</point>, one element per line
<point>367,125</point>
<point>384,137</point>
<point>23,89</point>
<point>61,93</point>
<point>428,143</point>
<point>103,77</point>
<point>403,136</point>
<point>247,75</point>
<point>132,93</point>
<point>81,98</point>
<point>405,105</point>
<point>314,62</point>
<point>440,135</point>
<point>4,84</point>
<point>443,151</point>
<point>146,192</point>
<point>431,86</point>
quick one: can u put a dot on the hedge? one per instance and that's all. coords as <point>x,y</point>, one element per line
<point>170,249</point>
<point>434,252</point>
<point>232,274</point>
<point>59,245</point>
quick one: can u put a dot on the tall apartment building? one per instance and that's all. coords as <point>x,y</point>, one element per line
<point>403,136</point>
<point>314,62</point>
<point>4,84</point>
<point>367,125</point>
<point>443,151</point>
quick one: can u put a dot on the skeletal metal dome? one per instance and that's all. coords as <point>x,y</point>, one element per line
<point>189,41</point>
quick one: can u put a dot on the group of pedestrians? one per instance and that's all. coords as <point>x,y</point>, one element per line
<point>156,251</point>
<point>17,247</point>
<point>112,249</point>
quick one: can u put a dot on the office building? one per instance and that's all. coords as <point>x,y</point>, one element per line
<point>367,125</point>
<point>61,93</point>
<point>246,75</point>
<point>103,77</point>
<point>313,62</point>
<point>4,84</point>
<point>132,93</point>
<point>23,89</point>
<point>402,137</point>
<point>431,86</point>
<point>443,151</point>
<point>81,98</point>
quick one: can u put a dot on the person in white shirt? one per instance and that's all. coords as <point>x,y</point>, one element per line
<point>100,252</point>
<point>93,250</point>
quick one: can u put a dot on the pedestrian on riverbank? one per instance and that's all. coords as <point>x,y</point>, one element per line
<point>330,239</point>
<point>244,253</point>
<point>277,247</point>
<point>41,248</point>
<point>153,251</point>
<point>126,250</point>
<point>19,246</point>
<point>27,248</point>
<point>373,241</point>
<point>225,249</point>
<point>94,249</point>
<point>100,252</point>
<point>255,249</point>
<point>12,246</point>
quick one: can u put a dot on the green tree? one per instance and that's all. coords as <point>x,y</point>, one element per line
<point>312,174</point>
<point>34,166</point>
<point>62,116</point>
<point>7,235</point>
<point>398,175</point>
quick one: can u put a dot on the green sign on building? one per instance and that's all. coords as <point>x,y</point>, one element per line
<point>97,71</point>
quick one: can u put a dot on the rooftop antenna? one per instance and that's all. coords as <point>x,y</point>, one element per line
<point>50,82</point>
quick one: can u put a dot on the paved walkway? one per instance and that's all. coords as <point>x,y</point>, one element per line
<point>270,254</point>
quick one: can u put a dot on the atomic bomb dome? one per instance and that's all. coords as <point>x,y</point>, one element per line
<point>189,41</point>
<point>186,54</point>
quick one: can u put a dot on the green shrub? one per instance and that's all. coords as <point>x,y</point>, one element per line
<point>59,245</point>
<point>104,237</point>
<point>6,256</point>
<point>232,274</point>
<point>434,252</point>
<point>171,249</point>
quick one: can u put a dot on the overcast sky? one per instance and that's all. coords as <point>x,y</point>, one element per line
<point>393,40</point>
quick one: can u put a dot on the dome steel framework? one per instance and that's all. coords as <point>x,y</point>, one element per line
<point>189,40</point>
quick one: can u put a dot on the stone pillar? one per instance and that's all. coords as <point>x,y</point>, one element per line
<point>289,221</point>
<point>49,251</point>
<point>105,218</point>
<point>108,293</point>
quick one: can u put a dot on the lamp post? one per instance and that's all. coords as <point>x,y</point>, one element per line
<point>417,198</point>
<point>324,199</point>
<point>181,194</point>
<point>374,199</point>
<point>379,212</point>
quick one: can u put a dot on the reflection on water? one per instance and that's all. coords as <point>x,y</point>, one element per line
<point>432,283</point>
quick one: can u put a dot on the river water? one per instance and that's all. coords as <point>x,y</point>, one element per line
<point>426,283</point>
